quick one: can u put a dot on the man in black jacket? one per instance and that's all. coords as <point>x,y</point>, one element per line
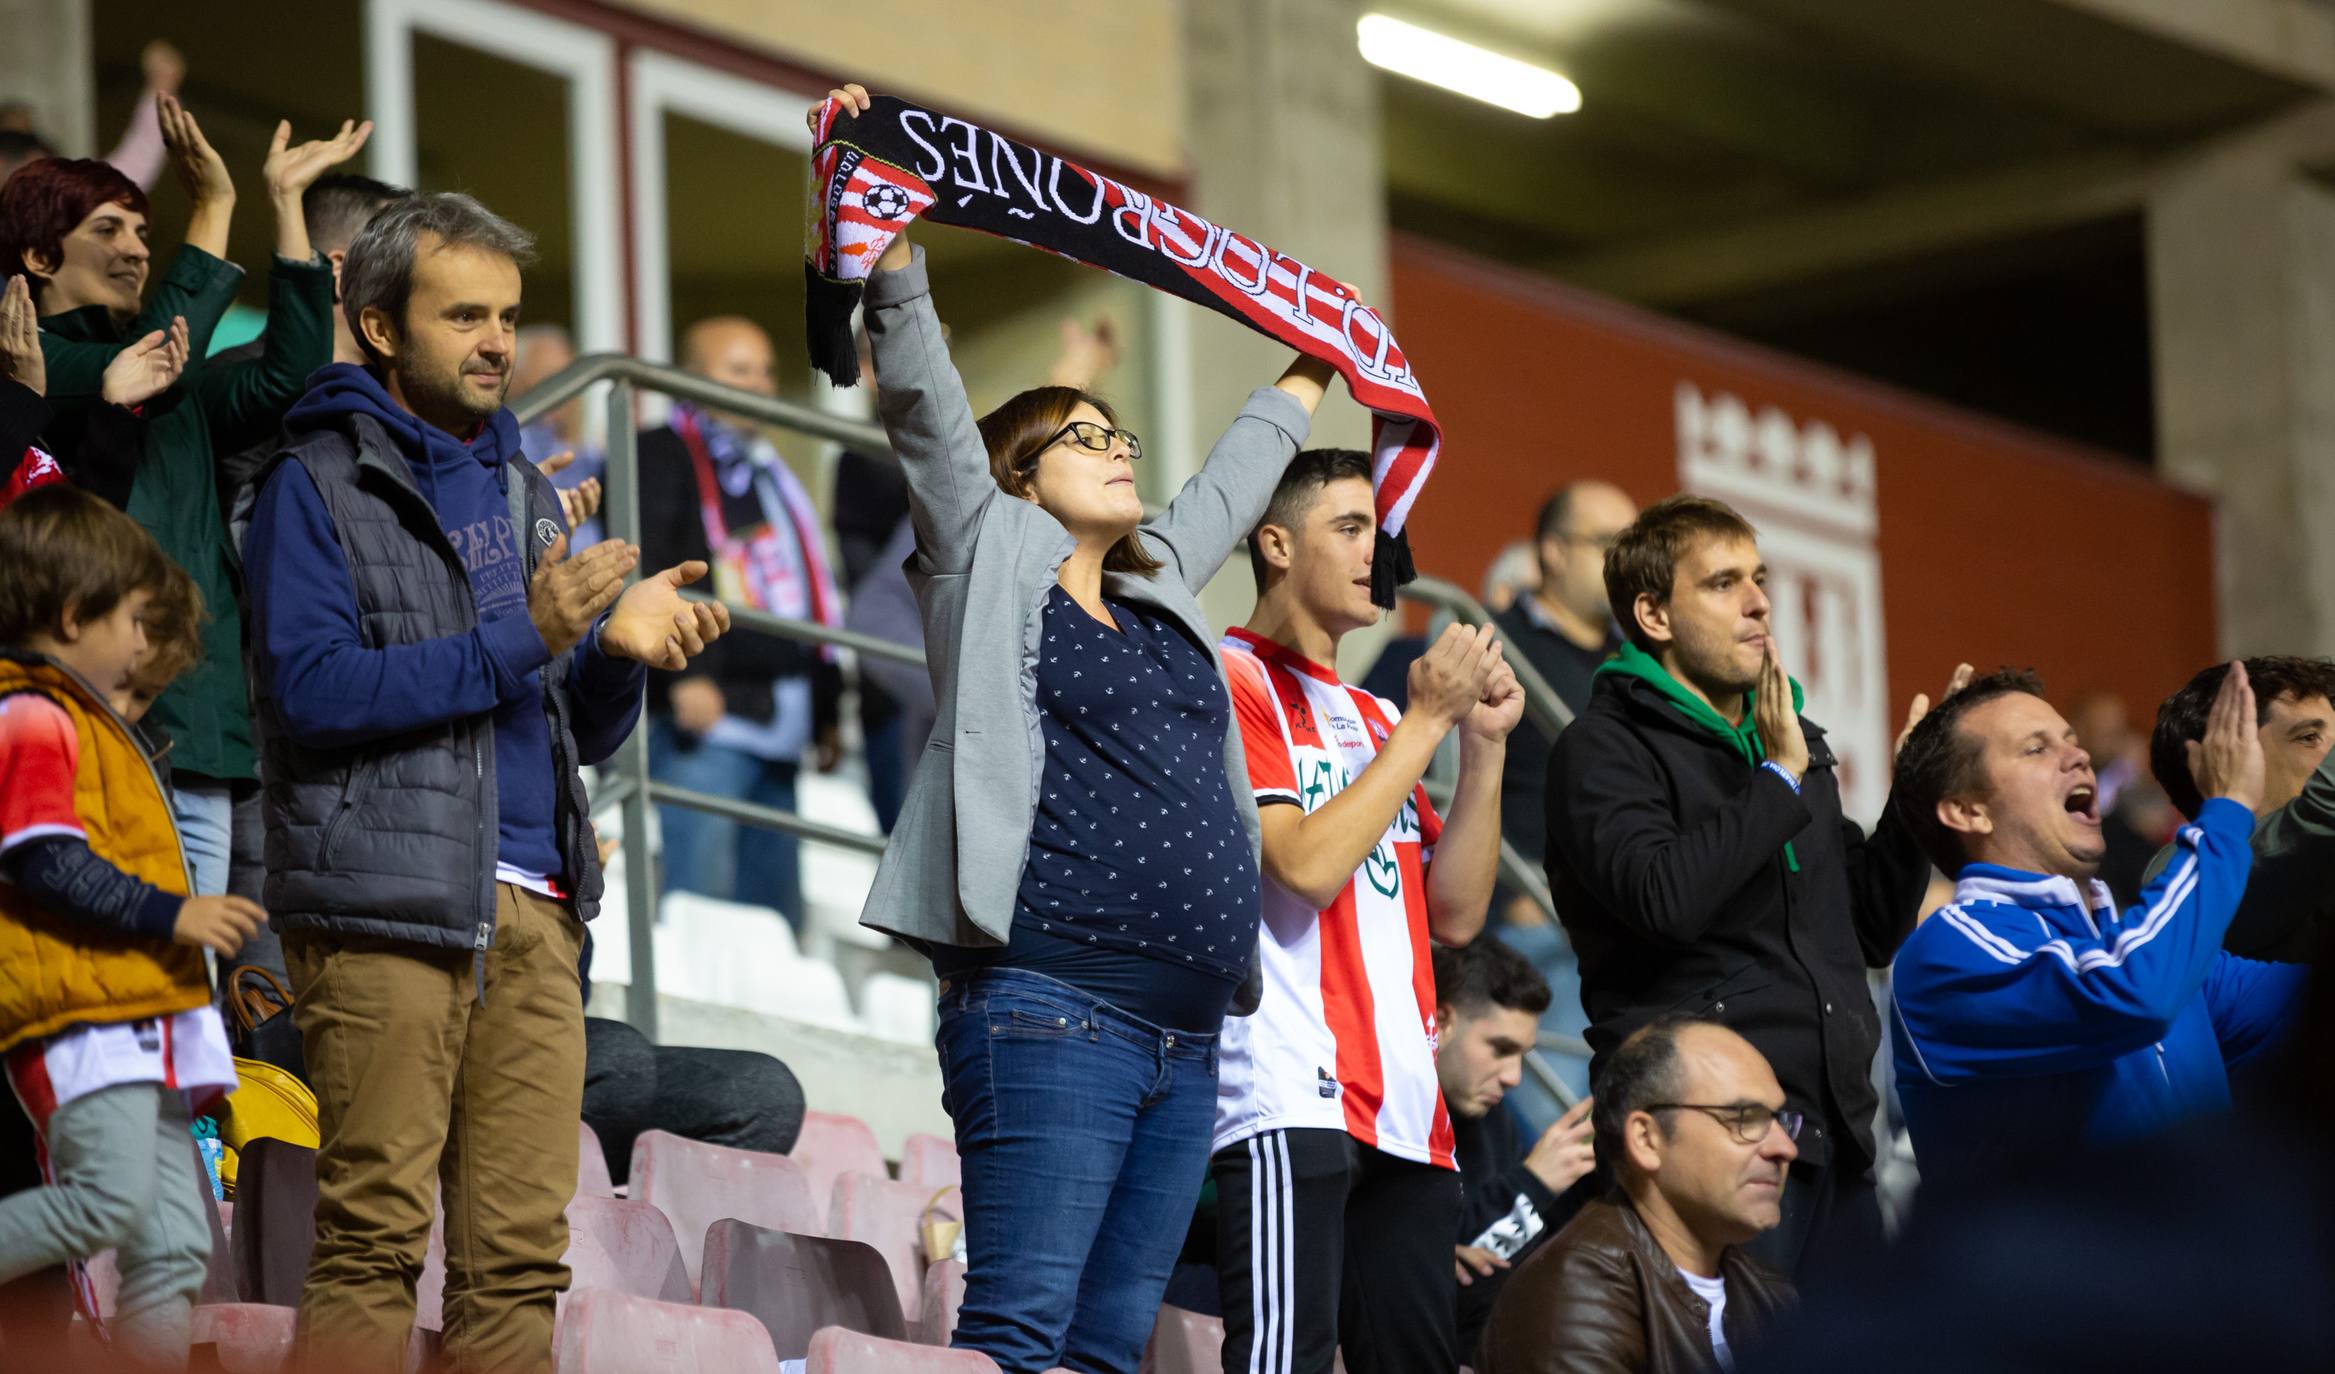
<point>740,721</point>
<point>1489,1001</point>
<point>1701,863</point>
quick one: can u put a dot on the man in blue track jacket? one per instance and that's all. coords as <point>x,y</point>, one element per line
<point>2030,1013</point>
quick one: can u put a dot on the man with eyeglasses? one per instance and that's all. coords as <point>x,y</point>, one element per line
<point>1693,1135</point>
<point>1334,1158</point>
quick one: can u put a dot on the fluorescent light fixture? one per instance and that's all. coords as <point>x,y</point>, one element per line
<point>1441,60</point>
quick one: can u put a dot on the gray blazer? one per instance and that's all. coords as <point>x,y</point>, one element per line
<point>983,565</point>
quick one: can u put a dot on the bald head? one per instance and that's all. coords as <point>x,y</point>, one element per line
<point>1577,525</point>
<point>733,350</point>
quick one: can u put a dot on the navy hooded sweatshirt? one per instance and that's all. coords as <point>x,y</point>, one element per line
<point>302,594</point>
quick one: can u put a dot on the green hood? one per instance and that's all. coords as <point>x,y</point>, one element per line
<point>1632,661</point>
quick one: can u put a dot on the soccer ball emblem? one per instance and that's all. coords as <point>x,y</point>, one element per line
<point>886,201</point>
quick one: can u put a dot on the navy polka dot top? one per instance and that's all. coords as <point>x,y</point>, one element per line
<point>1137,845</point>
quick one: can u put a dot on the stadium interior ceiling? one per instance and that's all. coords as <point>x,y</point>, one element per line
<point>1946,196</point>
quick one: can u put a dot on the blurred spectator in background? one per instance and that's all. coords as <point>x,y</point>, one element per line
<point>543,350</point>
<point>1563,627</point>
<point>1653,1277</point>
<point>2032,1017</point>
<point>2133,817</point>
<point>19,147</point>
<point>78,227</point>
<point>1488,1002</point>
<point>1515,572</point>
<point>740,722</point>
<point>2290,896</point>
<point>140,155</point>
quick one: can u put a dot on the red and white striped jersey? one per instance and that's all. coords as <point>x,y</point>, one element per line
<point>1345,1037</point>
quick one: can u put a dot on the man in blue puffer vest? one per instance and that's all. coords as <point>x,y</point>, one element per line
<point>2031,1014</point>
<point>432,672</point>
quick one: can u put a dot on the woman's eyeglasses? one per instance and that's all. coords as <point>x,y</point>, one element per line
<point>1095,438</point>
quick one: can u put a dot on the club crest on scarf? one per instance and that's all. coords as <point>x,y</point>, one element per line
<point>875,173</point>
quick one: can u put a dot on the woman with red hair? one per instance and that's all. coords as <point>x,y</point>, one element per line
<point>76,230</point>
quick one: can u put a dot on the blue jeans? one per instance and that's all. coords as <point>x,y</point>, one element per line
<point>1084,1134</point>
<point>205,813</point>
<point>714,857</point>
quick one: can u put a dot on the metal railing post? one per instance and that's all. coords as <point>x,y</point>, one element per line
<point>632,757</point>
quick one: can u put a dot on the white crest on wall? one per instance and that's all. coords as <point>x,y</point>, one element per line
<point>1812,495</point>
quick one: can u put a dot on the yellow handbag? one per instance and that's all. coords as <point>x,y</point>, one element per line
<point>268,1102</point>
<point>944,1235</point>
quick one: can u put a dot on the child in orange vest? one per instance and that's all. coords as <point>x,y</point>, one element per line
<point>106,1023</point>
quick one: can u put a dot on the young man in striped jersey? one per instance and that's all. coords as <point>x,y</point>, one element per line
<point>1334,1166</point>
<point>2033,1016</point>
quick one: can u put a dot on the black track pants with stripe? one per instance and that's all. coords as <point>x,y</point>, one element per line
<point>1323,1242</point>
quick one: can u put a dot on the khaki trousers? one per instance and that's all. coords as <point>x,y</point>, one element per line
<point>421,1087</point>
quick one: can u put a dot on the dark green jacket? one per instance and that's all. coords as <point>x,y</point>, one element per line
<point>215,408</point>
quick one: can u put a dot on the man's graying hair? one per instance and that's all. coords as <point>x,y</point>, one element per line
<point>378,272</point>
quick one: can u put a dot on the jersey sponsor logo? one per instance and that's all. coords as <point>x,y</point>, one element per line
<point>1324,1082</point>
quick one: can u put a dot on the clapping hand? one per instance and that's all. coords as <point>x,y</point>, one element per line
<point>654,624</point>
<point>2228,761</point>
<point>567,594</point>
<point>1447,681</point>
<point>1501,706</point>
<point>580,502</point>
<point>20,339</point>
<point>147,368</point>
<point>1921,705</point>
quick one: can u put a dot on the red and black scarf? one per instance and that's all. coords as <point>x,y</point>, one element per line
<point>875,173</point>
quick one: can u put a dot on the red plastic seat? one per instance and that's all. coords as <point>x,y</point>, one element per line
<point>832,1145</point>
<point>798,1285</point>
<point>930,1160</point>
<point>607,1332</point>
<point>244,1337</point>
<point>1185,1343</point>
<point>695,1185</point>
<point>888,1215</point>
<point>944,1293</point>
<point>591,1165</point>
<point>837,1351</point>
<point>624,1245</point>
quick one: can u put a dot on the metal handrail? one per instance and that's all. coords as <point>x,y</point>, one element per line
<point>632,791</point>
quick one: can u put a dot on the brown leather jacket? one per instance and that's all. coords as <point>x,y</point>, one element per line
<point>1603,1298</point>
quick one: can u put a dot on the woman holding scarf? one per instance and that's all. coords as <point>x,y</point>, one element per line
<point>1077,850</point>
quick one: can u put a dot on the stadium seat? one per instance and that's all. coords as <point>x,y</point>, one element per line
<point>607,1332</point>
<point>795,1285</point>
<point>696,1185</point>
<point>1185,1343</point>
<point>898,1007</point>
<point>591,1165</point>
<point>888,1215</point>
<point>242,1337</point>
<point>944,1293</point>
<point>275,1215</point>
<point>832,1145</point>
<point>930,1160</point>
<point>837,1351</point>
<point>625,1245</point>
